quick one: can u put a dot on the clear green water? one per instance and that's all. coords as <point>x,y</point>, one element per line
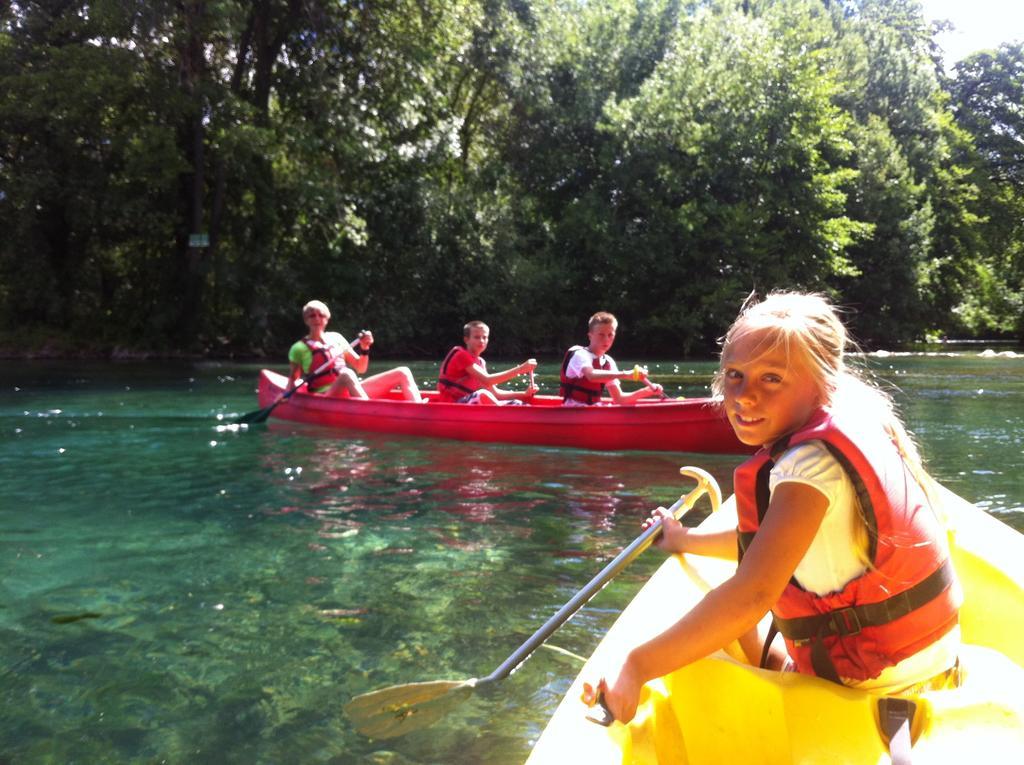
<point>172,590</point>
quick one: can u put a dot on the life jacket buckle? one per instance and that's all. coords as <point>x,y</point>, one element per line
<point>845,622</point>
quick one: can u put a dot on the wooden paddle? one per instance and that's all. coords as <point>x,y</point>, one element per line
<point>260,415</point>
<point>400,709</point>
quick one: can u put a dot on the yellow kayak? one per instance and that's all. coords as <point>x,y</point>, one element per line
<point>722,710</point>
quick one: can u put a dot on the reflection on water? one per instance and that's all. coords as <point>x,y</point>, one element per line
<point>967,412</point>
<point>172,589</point>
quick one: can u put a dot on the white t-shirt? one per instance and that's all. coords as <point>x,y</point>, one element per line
<point>584,358</point>
<point>832,560</point>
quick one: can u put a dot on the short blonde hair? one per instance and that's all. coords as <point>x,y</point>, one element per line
<point>602,317</point>
<point>471,325</point>
<point>316,305</point>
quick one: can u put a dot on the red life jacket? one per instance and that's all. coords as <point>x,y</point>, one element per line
<point>904,602</point>
<point>454,388</point>
<point>580,388</point>
<point>322,353</point>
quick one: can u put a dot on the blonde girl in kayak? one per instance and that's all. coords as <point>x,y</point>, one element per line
<point>837,533</point>
<point>344,362</point>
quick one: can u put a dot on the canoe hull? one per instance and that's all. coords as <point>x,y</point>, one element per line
<point>694,425</point>
<point>720,709</point>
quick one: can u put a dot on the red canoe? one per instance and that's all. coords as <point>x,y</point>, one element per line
<point>693,425</point>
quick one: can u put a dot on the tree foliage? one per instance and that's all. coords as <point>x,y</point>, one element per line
<point>988,100</point>
<point>417,163</point>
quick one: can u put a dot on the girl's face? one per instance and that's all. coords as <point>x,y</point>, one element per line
<point>769,393</point>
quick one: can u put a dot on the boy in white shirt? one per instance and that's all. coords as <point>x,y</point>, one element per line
<point>587,372</point>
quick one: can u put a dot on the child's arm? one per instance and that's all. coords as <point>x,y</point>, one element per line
<point>298,356</point>
<point>606,376</point>
<point>510,395</point>
<point>731,609</point>
<point>615,391</point>
<point>523,395</point>
<point>637,373</point>
<point>677,538</point>
<point>611,380</point>
<point>360,361</point>
<point>497,378</point>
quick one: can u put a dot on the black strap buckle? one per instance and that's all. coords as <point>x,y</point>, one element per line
<point>896,718</point>
<point>845,622</point>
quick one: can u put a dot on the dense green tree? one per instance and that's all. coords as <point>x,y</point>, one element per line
<point>987,91</point>
<point>891,90</point>
<point>731,176</point>
<point>418,163</point>
<point>83,163</point>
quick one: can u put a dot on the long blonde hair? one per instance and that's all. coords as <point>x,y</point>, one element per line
<point>809,325</point>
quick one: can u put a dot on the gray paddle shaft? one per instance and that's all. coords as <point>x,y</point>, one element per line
<point>594,586</point>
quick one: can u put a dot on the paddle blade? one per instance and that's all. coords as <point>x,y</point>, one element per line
<point>261,415</point>
<point>401,709</point>
<point>254,418</point>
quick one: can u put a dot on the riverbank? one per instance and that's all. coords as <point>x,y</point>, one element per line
<point>42,344</point>
<point>47,345</point>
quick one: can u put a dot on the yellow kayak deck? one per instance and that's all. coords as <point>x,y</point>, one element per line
<point>722,710</point>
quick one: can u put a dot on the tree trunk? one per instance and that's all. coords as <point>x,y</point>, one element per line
<point>192,264</point>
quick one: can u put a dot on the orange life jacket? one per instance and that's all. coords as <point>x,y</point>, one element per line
<point>454,388</point>
<point>906,600</point>
<point>322,353</point>
<point>580,388</point>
